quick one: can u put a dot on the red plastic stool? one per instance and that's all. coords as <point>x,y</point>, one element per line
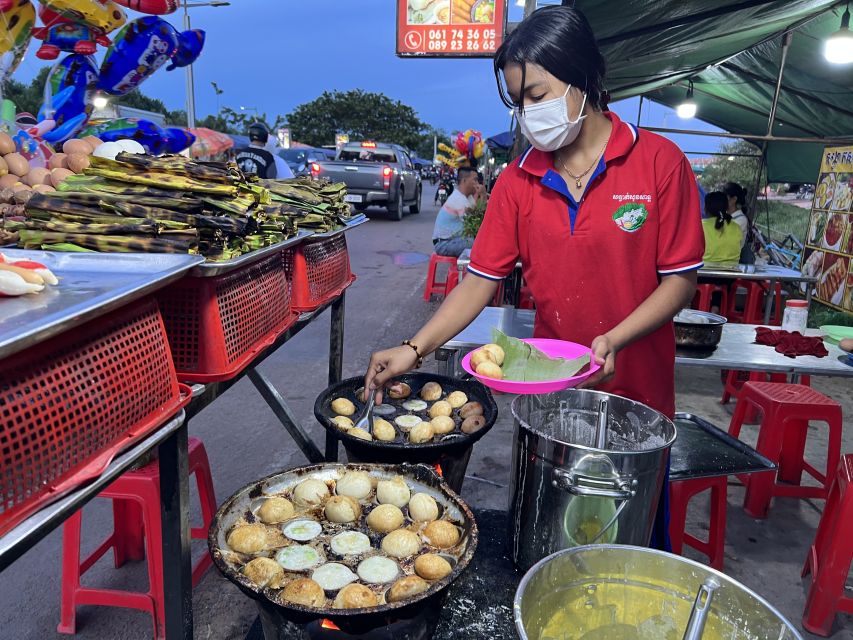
<point>787,409</point>
<point>705,294</point>
<point>136,533</point>
<point>734,380</point>
<point>830,555</point>
<point>434,286</point>
<point>753,311</point>
<point>680,493</point>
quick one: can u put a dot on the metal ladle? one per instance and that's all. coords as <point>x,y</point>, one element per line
<point>365,420</point>
<point>603,419</point>
<point>701,608</point>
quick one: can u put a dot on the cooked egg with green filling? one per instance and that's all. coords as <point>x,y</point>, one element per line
<point>333,576</point>
<point>302,530</point>
<point>350,543</point>
<point>415,405</point>
<point>406,423</point>
<point>298,557</point>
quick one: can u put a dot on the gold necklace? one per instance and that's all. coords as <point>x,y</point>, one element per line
<point>577,178</point>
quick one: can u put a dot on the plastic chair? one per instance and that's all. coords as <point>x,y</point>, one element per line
<point>787,410</point>
<point>830,555</point>
<point>136,534</point>
<point>434,286</point>
<point>733,383</point>
<point>680,494</point>
<point>753,311</point>
<point>702,300</point>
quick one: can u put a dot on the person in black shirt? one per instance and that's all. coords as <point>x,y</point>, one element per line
<point>258,160</point>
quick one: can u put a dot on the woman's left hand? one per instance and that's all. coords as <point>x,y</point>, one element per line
<point>604,354</point>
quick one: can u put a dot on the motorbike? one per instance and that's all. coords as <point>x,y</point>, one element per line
<point>444,190</point>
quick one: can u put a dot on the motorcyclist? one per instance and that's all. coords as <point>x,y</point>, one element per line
<point>257,159</point>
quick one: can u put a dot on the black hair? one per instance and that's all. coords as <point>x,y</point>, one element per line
<point>734,190</point>
<point>258,132</point>
<point>560,40</point>
<point>717,206</point>
<point>463,172</point>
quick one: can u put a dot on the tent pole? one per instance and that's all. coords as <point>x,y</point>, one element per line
<point>786,44</point>
<point>520,142</point>
<point>839,140</point>
<point>640,110</point>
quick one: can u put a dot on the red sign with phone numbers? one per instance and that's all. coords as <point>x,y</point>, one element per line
<point>450,28</point>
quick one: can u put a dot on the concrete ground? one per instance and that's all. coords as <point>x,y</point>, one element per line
<point>244,442</point>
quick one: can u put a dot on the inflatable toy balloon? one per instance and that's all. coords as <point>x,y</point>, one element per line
<point>153,7</point>
<point>190,44</point>
<point>63,34</point>
<point>148,134</point>
<point>17,18</point>
<point>140,48</point>
<point>68,93</point>
<point>28,139</point>
<point>102,15</point>
<point>176,139</point>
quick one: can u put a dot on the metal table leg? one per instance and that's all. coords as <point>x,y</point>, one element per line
<point>285,415</point>
<point>175,518</point>
<point>336,362</point>
<point>768,306</point>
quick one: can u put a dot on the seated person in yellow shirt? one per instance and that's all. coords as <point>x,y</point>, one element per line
<point>723,239</point>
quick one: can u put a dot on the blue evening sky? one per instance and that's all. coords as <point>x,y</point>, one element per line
<point>275,54</point>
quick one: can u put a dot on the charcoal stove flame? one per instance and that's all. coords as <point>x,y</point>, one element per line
<point>325,623</point>
<point>438,470</point>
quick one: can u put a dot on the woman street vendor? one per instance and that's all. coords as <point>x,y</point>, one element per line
<point>600,213</point>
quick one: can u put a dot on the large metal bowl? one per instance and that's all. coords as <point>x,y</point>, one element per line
<point>616,591</point>
<point>420,478</point>
<point>698,329</point>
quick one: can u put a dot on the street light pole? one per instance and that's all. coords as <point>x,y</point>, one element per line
<point>189,74</point>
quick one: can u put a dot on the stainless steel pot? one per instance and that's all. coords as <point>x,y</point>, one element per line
<point>630,593</point>
<point>570,488</point>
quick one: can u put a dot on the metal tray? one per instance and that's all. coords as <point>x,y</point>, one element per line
<point>90,285</point>
<point>701,450</point>
<point>211,269</point>
<point>352,224</point>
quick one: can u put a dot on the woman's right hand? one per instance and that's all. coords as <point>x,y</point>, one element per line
<point>386,365</point>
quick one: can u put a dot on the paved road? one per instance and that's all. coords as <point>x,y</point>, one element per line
<point>244,442</point>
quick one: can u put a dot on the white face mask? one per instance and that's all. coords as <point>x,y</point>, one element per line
<point>547,124</point>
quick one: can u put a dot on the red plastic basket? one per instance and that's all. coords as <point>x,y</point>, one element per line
<point>70,404</point>
<point>320,271</point>
<point>217,325</point>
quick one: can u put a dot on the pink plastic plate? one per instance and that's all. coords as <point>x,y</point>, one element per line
<point>553,348</point>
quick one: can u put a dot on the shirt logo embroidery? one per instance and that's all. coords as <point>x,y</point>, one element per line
<point>630,217</point>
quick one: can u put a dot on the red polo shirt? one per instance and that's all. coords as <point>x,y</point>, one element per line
<point>589,264</point>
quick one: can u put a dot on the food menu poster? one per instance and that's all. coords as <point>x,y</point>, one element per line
<point>829,242</point>
<point>450,28</point>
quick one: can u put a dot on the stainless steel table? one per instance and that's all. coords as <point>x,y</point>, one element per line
<point>769,273</point>
<point>737,349</point>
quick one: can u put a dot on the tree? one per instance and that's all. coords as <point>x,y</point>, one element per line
<point>360,114</point>
<point>733,166</point>
<point>27,98</point>
<point>426,147</point>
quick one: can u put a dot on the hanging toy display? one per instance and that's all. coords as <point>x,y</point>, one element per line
<point>60,33</point>
<point>140,48</point>
<point>17,18</point>
<point>190,44</point>
<point>470,144</point>
<point>68,92</point>
<point>176,139</point>
<point>102,15</point>
<point>147,133</point>
<point>152,7</point>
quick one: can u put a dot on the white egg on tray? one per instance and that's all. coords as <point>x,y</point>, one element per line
<point>108,150</point>
<point>130,146</point>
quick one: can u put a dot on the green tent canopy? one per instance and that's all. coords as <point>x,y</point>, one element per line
<point>731,50</point>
